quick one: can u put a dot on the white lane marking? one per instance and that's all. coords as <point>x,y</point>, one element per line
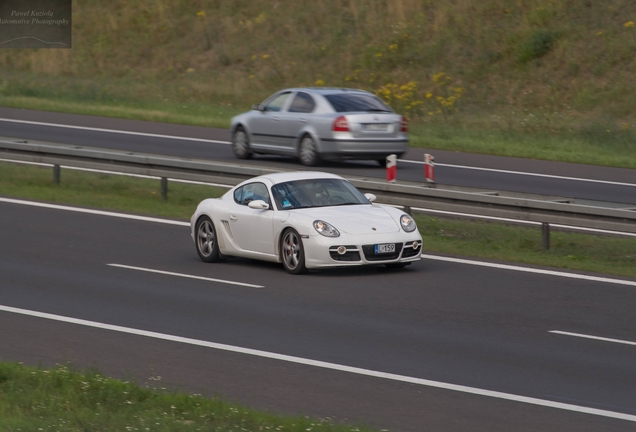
<point>114,131</point>
<point>325,365</point>
<point>227,143</point>
<point>522,173</point>
<point>531,270</point>
<point>95,212</point>
<point>475,216</point>
<point>593,337</point>
<point>185,275</point>
<point>432,257</point>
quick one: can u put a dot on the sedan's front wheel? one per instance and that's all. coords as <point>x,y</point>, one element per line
<point>241,144</point>
<point>205,240</point>
<point>292,252</point>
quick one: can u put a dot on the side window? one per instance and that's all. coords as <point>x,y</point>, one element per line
<point>251,192</point>
<point>302,103</point>
<point>277,103</point>
<point>238,195</point>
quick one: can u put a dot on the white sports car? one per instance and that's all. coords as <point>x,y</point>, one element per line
<point>306,220</point>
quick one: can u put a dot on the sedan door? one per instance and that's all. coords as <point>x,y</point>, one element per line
<point>296,118</point>
<point>265,124</point>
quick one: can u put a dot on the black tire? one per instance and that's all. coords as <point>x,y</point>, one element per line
<point>308,152</point>
<point>206,242</point>
<point>292,252</point>
<point>241,144</point>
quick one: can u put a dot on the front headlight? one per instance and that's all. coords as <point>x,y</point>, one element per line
<point>326,229</point>
<point>407,222</point>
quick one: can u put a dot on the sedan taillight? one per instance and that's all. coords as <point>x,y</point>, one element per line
<point>405,125</point>
<point>340,124</point>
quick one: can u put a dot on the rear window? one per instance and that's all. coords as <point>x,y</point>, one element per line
<point>352,102</point>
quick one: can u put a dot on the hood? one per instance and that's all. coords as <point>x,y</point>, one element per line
<point>354,219</point>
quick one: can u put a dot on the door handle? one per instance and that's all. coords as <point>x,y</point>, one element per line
<point>302,120</point>
<point>233,218</point>
<point>275,118</point>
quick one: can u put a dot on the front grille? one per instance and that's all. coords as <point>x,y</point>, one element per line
<point>369,253</point>
<point>410,251</point>
<point>352,254</point>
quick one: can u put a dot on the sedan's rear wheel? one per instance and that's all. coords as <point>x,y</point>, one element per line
<point>308,153</point>
<point>205,240</point>
<point>292,252</point>
<point>241,144</point>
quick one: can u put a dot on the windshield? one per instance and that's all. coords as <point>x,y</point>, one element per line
<point>316,193</point>
<point>354,102</point>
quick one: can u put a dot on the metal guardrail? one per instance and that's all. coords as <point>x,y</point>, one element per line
<point>521,206</point>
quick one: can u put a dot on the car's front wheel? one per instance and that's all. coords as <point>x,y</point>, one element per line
<point>241,144</point>
<point>308,152</point>
<point>206,242</point>
<point>292,252</point>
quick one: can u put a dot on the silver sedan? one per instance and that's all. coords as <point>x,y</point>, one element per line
<point>315,124</point>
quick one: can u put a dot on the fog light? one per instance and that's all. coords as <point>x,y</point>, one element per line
<point>341,250</point>
<point>415,245</point>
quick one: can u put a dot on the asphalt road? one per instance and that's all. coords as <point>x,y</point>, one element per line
<point>455,324</point>
<point>459,169</point>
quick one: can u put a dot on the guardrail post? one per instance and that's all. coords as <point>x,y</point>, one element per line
<point>545,230</point>
<point>164,188</point>
<point>56,174</point>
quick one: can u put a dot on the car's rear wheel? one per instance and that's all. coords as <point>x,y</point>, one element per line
<point>241,144</point>
<point>308,152</point>
<point>292,252</point>
<point>205,240</point>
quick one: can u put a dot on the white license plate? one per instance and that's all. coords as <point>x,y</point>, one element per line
<point>385,248</point>
<point>375,127</point>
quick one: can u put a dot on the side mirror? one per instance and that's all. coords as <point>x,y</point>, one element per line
<point>257,107</point>
<point>370,197</point>
<point>258,205</point>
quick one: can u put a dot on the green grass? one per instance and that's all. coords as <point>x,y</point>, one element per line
<point>496,241</point>
<point>584,252</point>
<point>63,399</point>
<point>545,79</point>
<point>104,191</point>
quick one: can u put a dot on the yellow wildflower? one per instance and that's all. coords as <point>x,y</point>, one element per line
<point>201,13</point>
<point>629,24</point>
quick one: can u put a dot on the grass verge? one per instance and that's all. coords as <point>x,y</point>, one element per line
<point>583,252</point>
<point>61,399</point>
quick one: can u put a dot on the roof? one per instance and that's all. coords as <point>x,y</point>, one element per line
<point>327,90</point>
<point>296,175</point>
